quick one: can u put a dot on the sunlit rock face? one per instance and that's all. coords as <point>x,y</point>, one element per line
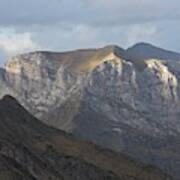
<point>106,96</point>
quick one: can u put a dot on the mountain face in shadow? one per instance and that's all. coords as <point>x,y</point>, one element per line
<point>30,150</point>
<point>143,51</point>
<point>124,102</point>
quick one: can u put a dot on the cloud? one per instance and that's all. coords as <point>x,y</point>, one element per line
<point>2,57</point>
<point>140,32</point>
<point>87,12</point>
<point>12,43</point>
<point>60,25</point>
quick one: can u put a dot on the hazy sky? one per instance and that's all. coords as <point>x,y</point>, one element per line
<point>70,24</point>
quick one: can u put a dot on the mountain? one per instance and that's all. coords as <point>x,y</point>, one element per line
<point>143,51</point>
<point>106,95</point>
<point>30,150</point>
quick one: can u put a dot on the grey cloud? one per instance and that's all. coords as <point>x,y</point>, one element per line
<point>96,13</point>
<point>60,38</point>
<point>60,25</point>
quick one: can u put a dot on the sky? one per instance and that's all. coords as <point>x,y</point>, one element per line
<point>61,25</point>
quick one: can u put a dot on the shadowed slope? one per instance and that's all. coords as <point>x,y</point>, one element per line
<point>143,51</point>
<point>35,151</point>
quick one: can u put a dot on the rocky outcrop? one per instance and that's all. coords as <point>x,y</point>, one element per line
<point>107,96</point>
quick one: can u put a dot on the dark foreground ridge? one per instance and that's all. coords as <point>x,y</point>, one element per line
<point>30,150</point>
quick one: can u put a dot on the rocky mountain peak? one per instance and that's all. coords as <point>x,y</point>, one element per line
<point>129,99</point>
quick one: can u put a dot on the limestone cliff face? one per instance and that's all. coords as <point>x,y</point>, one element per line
<point>104,95</point>
<point>44,84</point>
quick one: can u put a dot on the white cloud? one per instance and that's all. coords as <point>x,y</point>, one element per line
<point>13,43</point>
